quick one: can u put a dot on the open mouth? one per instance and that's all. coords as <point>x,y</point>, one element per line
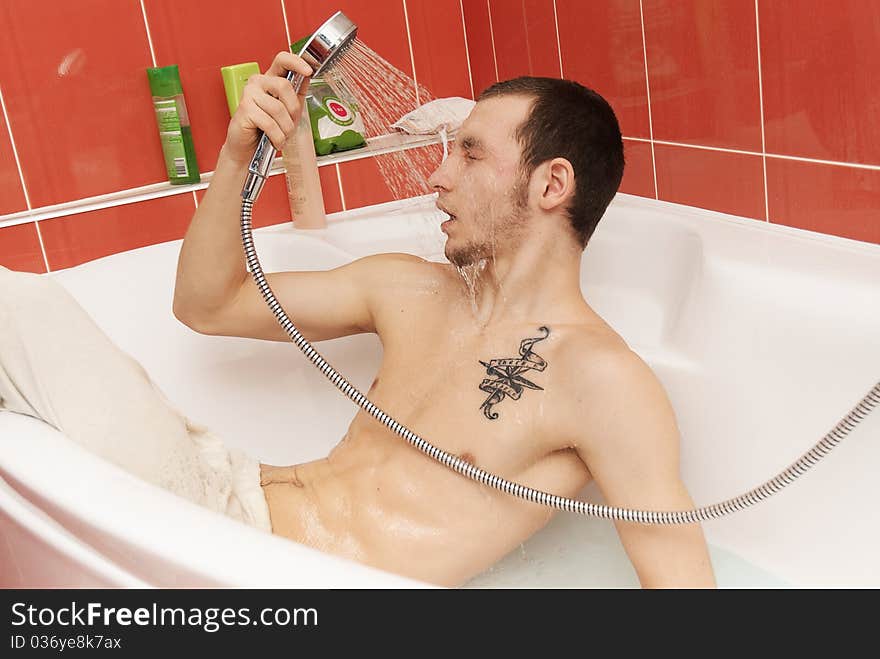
<point>450,221</point>
<point>445,225</point>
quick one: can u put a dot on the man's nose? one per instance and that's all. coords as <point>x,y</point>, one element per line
<point>439,180</point>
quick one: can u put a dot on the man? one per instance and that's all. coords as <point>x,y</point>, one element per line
<point>515,373</point>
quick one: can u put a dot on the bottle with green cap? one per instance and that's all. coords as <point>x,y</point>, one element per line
<point>173,122</point>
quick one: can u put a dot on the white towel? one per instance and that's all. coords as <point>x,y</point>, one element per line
<point>57,365</point>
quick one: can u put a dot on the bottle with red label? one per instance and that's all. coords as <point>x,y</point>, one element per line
<point>336,121</point>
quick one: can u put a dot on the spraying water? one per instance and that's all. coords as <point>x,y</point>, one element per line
<point>384,94</point>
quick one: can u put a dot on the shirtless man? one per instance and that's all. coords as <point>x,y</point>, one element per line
<point>531,172</point>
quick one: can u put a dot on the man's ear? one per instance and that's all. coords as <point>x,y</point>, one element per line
<point>558,183</point>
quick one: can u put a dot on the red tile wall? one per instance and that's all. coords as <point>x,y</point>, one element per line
<point>77,105</point>
<point>786,87</point>
<point>683,74</point>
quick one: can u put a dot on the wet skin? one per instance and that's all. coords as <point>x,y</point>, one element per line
<point>378,500</point>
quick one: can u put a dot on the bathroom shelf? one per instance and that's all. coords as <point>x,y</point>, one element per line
<point>376,146</point>
<point>382,144</point>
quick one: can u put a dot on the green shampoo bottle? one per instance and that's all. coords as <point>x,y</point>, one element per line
<point>173,122</point>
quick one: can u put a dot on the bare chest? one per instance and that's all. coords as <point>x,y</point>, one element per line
<point>487,398</point>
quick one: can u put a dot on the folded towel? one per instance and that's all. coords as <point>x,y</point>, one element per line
<point>443,114</point>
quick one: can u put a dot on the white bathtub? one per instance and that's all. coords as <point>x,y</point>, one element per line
<point>763,336</point>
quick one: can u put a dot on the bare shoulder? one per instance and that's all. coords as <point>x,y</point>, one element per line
<point>397,285</point>
<point>391,272</point>
<point>398,260</point>
<point>595,355</point>
<point>610,385</point>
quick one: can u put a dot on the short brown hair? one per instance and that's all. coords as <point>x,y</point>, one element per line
<point>568,120</point>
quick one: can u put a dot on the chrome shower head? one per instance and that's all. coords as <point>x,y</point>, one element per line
<point>321,51</point>
<point>330,40</point>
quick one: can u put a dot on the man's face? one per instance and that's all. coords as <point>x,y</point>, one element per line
<point>480,185</point>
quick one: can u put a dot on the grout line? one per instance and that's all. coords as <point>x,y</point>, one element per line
<point>528,44</point>
<point>558,42</point>
<point>492,38</point>
<point>708,148</point>
<point>412,57</point>
<point>42,246</point>
<point>761,100</point>
<point>467,52</point>
<point>149,36</point>
<point>341,193</point>
<point>195,198</point>
<point>648,91</point>
<point>286,26</point>
<point>835,163</point>
<point>27,199</point>
<point>776,156</point>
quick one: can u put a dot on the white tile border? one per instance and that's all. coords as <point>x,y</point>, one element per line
<point>777,156</point>
<point>558,41</point>
<point>149,36</point>
<point>27,199</point>
<point>761,101</point>
<point>648,92</point>
<point>286,24</point>
<point>492,38</point>
<point>341,191</point>
<point>412,57</point>
<point>467,51</point>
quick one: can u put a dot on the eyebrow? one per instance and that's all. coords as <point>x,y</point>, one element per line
<point>471,143</point>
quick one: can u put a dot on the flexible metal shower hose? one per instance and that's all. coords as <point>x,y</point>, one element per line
<point>774,485</point>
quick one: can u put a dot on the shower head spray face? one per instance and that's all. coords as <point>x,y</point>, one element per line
<point>321,51</point>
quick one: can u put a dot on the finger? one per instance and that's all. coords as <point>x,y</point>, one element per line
<point>285,61</point>
<point>277,110</point>
<point>304,88</point>
<point>274,88</point>
<point>283,91</point>
<point>268,125</point>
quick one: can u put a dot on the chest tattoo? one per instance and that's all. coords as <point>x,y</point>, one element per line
<point>505,375</point>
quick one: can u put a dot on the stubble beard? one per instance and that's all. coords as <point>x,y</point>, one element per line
<point>495,233</point>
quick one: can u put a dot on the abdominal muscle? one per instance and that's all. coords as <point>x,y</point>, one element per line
<point>377,500</point>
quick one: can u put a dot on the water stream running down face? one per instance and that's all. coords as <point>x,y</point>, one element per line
<point>384,94</point>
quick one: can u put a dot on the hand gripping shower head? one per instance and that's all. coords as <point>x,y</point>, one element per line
<point>321,52</point>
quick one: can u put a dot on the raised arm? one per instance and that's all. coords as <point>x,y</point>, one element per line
<point>214,294</point>
<point>632,451</point>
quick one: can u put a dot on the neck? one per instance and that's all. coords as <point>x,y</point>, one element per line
<point>532,281</point>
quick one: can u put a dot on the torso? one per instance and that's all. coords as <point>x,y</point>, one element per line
<point>381,501</point>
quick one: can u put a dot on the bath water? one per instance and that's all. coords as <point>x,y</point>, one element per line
<point>585,552</point>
